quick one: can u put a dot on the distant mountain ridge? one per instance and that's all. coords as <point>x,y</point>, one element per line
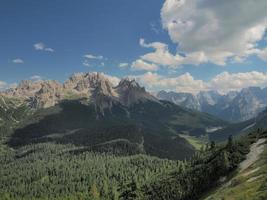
<point>91,113</point>
<point>254,124</point>
<point>233,106</point>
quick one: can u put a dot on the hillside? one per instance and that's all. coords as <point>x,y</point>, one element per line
<point>92,114</point>
<point>208,170</point>
<point>148,127</point>
<point>64,171</point>
<point>236,129</point>
<point>12,112</point>
<point>250,181</point>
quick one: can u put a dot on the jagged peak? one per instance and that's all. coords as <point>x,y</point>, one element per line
<point>89,79</point>
<point>95,86</point>
<point>129,83</point>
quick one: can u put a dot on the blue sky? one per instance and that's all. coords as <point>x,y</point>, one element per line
<point>67,30</point>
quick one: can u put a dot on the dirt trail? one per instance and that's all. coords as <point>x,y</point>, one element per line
<point>255,150</point>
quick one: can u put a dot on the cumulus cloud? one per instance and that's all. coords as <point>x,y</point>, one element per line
<point>42,47</point>
<point>5,86</point>
<point>262,54</point>
<point>183,83</point>
<point>90,56</point>
<point>113,79</point>
<point>123,65</point>
<point>18,61</point>
<point>162,56</point>
<point>223,82</point>
<point>142,65</point>
<point>219,30</point>
<point>2,85</point>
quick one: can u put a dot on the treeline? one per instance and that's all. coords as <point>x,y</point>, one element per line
<point>63,172</point>
<point>204,172</point>
<point>57,172</point>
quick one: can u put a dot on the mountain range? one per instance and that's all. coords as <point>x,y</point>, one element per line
<point>60,138</point>
<point>233,107</point>
<point>90,112</point>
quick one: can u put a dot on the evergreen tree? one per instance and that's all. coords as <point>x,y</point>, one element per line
<point>94,194</point>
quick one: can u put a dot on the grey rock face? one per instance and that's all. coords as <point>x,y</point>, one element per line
<point>234,106</point>
<point>96,87</point>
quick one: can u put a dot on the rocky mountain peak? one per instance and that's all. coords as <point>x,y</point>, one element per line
<point>96,87</point>
<point>50,93</point>
<point>86,82</point>
<point>25,89</point>
<point>128,83</point>
<point>131,92</point>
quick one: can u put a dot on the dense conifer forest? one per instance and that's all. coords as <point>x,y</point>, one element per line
<point>60,172</point>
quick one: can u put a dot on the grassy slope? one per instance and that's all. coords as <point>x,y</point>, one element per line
<point>197,142</point>
<point>251,184</point>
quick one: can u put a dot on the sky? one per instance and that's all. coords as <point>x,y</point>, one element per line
<point>179,45</point>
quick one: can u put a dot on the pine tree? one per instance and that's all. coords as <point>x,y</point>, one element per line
<point>212,145</point>
<point>94,194</point>
<point>115,194</point>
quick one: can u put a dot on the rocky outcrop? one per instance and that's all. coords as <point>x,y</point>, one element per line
<point>130,92</point>
<point>96,87</point>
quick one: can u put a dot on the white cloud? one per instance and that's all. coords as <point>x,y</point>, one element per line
<point>39,46</point>
<point>2,85</point>
<point>49,49</point>
<point>86,63</point>
<point>223,82</point>
<point>18,61</point>
<point>113,79</point>
<point>219,30</point>
<point>5,86</point>
<point>263,54</point>
<point>90,56</point>
<point>123,65</point>
<point>36,78</point>
<point>183,83</point>
<point>142,65</point>
<point>42,47</point>
<point>162,56</point>
<point>155,27</point>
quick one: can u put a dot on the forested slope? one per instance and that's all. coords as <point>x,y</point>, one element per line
<point>60,171</point>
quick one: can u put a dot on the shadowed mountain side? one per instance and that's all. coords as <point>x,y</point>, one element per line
<point>145,127</point>
<point>258,122</point>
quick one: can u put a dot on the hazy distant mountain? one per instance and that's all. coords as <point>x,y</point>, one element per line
<point>93,114</point>
<point>258,122</point>
<point>234,106</point>
<point>183,99</point>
